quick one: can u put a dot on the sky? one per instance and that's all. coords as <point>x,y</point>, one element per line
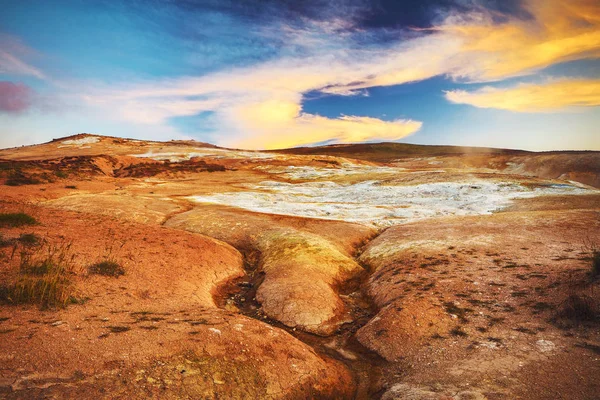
<point>266,74</point>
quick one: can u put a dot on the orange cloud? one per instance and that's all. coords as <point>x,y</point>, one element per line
<point>281,124</point>
<point>559,31</point>
<point>474,47</point>
<point>551,96</point>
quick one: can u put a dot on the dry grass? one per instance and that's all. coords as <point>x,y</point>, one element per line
<point>580,307</point>
<point>595,267</point>
<point>21,180</point>
<point>108,265</point>
<point>107,268</point>
<point>30,239</point>
<point>41,275</point>
<point>592,254</point>
<point>5,242</point>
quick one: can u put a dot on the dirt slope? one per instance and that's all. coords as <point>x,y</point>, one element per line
<point>155,331</point>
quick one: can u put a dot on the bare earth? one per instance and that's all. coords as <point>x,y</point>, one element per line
<point>338,272</point>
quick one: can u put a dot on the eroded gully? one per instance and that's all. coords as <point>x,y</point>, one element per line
<point>366,366</point>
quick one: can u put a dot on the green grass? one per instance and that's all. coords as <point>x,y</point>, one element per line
<point>16,219</point>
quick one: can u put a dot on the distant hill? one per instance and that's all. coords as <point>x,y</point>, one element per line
<point>88,144</point>
<point>115,139</point>
<point>580,166</point>
<point>388,152</point>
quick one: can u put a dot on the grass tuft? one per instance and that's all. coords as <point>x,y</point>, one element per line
<point>579,307</point>
<point>44,277</point>
<point>108,265</point>
<point>593,249</point>
<point>595,267</point>
<point>30,239</point>
<point>5,242</point>
<point>107,268</point>
<point>16,219</point>
<point>20,179</point>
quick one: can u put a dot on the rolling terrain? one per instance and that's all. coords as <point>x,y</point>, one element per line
<point>387,271</point>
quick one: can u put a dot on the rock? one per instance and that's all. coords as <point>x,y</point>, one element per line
<point>470,395</point>
<point>301,270</point>
<point>403,391</point>
<point>302,266</point>
<point>545,346</point>
<point>134,208</point>
<point>397,331</point>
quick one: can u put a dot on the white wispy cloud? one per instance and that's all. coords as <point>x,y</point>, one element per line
<point>12,53</point>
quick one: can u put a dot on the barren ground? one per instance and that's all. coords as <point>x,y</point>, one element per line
<point>360,272</point>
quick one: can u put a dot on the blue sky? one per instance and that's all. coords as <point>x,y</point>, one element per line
<point>268,74</point>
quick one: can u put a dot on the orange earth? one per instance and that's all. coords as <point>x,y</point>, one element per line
<point>341,272</point>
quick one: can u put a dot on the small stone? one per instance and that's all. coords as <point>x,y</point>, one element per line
<point>218,379</point>
<point>545,345</point>
<point>470,395</point>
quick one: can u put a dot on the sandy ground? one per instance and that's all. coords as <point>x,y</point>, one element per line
<point>266,275</point>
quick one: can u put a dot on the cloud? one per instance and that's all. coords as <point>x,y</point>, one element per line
<point>279,124</point>
<point>10,64</point>
<point>261,105</point>
<point>545,97</point>
<point>473,47</point>
<point>152,110</point>
<point>557,31</point>
<point>12,52</point>
<point>14,97</point>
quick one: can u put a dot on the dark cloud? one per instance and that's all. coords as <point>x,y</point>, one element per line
<point>14,97</point>
<point>278,9</point>
<point>365,13</point>
<point>232,32</point>
<point>398,14</point>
